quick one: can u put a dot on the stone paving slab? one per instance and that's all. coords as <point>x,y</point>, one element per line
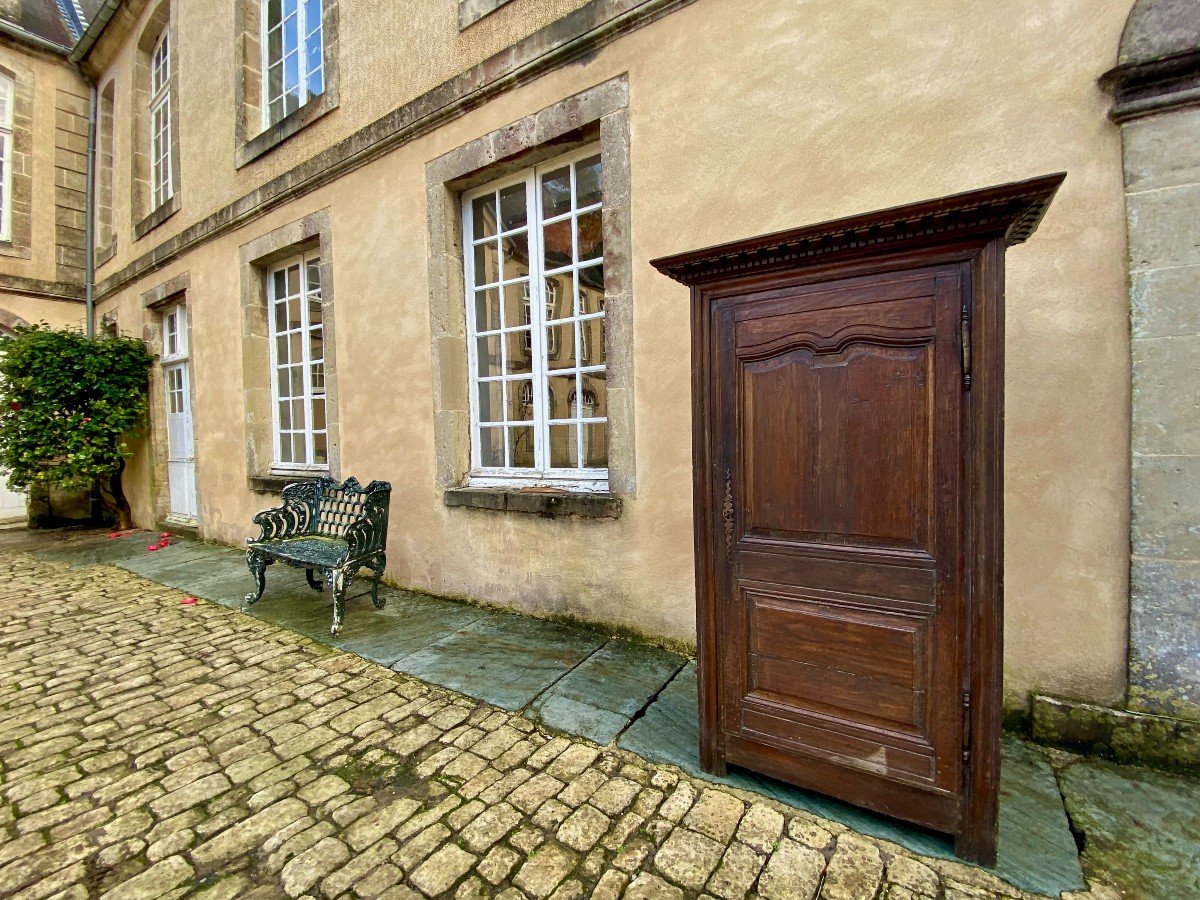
<point>1142,827</point>
<point>505,660</point>
<point>152,749</point>
<point>600,697</point>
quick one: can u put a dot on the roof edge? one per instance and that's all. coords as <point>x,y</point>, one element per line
<point>16,32</point>
<point>94,30</point>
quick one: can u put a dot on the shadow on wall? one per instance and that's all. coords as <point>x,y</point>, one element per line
<point>59,507</point>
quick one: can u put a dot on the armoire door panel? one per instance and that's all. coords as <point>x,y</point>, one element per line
<point>825,433</point>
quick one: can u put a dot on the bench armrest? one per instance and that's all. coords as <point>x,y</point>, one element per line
<point>368,535</point>
<point>293,518</point>
<point>361,539</point>
<point>286,521</point>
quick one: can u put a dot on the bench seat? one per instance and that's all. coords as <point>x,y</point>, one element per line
<point>319,552</point>
<point>325,528</point>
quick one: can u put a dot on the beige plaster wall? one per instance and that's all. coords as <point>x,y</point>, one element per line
<point>746,116</point>
<point>56,313</point>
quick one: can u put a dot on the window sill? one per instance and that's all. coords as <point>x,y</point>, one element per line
<point>274,483</point>
<point>551,504</point>
<point>165,210</point>
<point>8,248</point>
<point>276,134</point>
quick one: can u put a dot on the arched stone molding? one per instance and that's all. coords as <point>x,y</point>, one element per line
<point>9,321</point>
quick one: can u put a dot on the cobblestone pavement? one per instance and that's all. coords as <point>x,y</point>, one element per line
<point>150,748</point>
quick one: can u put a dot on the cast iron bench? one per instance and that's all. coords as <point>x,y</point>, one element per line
<point>335,529</point>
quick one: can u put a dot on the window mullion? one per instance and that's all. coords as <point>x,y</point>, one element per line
<point>537,324</point>
<point>165,148</point>
<point>273,330</point>
<point>301,52</point>
<point>472,331</point>
<point>306,363</point>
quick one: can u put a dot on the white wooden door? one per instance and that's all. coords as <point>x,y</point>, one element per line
<point>181,445</point>
<point>12,502</point>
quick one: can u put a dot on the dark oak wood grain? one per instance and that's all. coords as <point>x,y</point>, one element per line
<point>847,429</point>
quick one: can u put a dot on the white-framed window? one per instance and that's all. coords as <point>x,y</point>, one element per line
<point>175,334</point>
<point>298,364</point>
<point>175,350</point>
<point>7,97</point>
<point>160,121</point>
<point>293,62</point>
<point>534,271</point>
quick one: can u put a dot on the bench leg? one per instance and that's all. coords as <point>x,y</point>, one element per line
<point>338,581</point>
<point>377,568</point>
<point>314,583</point>
<point>257,563</point>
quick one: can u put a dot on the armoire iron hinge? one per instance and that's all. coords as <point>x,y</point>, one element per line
<point>965,325</point>
<point>966,714</point>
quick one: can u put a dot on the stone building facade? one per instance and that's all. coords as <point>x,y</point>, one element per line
<point>43,165</point>
<point>42,233</point>
<point>362,171</point>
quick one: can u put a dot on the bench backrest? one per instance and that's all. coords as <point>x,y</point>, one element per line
<point>333,508</point>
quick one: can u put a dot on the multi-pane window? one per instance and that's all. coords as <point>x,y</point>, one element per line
<point>298,364</point>
<point>175,350</point>
<point>160,121</point>
<point>6,154</point>
<point>535,313</point>
<point>174,334</point>
<point>293,56</point>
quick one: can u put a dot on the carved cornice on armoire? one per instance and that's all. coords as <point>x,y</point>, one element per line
<point>1012,211</point>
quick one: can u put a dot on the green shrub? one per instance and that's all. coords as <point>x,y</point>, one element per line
<point>67,403</point>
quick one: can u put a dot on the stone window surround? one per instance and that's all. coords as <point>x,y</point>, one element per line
<point>251,138</point>
<point>309,234</point>
<point>148,219</point>
<point>106,233</point>
<point>570,124</point>
<point>471,11</point>
<point>20,242</point>
<point>173,291</point>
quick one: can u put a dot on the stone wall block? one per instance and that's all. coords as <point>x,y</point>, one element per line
<point>1164,228</point>
<point>1166,403</point>
<point>1166,496</point>
<point>1164,669</point>
<point>1165,302</point>
<point>1162,151</point>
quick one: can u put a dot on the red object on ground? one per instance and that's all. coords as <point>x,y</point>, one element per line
<point>165,534</point>
<point>152,547</point>
<point>164,543</point>
<point>188,601</point>
<point>114,534</point>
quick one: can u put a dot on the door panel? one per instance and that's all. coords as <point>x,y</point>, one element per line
<point>840,423</point>
<point>859,418</point>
